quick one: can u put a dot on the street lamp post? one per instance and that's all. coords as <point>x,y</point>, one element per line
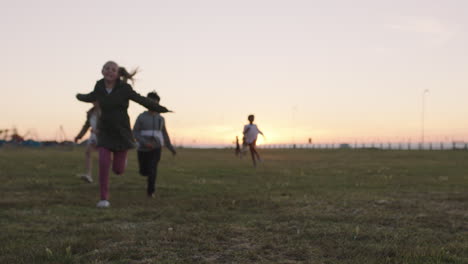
<point>294,110</point>
<point>425,92</point>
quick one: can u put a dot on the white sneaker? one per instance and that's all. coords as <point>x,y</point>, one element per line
<point>86,178</point>
<point>103,204</point>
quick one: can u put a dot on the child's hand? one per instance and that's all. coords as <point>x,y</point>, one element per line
<point>149,145</point>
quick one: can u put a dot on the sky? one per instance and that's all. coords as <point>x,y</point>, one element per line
<point>332,71</point>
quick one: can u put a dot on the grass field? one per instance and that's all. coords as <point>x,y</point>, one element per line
<point>299,206</point>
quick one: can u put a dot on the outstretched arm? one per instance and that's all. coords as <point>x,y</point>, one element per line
<point>146,102</point>
<point>88,98</point>
<point>261,133</point>
<point>167,141</point>
<point>83,131</point>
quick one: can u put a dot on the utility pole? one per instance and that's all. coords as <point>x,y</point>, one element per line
<point>425,92</point>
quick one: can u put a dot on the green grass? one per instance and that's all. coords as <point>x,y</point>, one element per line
<point>299,206</point>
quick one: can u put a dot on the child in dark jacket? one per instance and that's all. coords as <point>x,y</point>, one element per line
<point>115,138</point>
<point>151,134</point>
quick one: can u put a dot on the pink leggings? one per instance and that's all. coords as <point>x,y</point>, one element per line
<point>118,167</point>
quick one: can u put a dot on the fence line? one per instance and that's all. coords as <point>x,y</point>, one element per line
<point>380,145</point>
<point>455,145</point>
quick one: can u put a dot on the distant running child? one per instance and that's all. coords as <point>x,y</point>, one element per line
<point>151,134</point>
<point>238,149</point>
<point>114,137</point>
<point>251,132</point>
<point>92,117</point>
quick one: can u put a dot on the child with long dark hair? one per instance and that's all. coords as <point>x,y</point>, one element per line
<point>115,138</point>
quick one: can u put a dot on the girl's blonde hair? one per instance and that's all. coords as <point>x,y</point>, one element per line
<point>124,75</point>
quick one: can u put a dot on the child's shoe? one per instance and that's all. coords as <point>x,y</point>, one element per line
<point>103,204</point>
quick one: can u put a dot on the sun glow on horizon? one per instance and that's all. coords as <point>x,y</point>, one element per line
<point>260,140</point>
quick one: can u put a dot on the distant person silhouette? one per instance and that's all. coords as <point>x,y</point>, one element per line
<point>238,149</point>
<point>151,134</point>
<point>251,132</point>
<point>115,137</point>
<point>92,117</point>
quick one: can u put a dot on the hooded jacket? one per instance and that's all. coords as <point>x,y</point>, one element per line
<point>150,130</point>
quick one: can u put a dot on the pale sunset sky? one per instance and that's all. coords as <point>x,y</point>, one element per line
<point>334,70</point>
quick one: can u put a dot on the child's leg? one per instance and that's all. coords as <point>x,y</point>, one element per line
<point>142,163</point>
<point>153,165</point>
<point>89,162</point>
<point>256,152</point>
<point>254,148</point>
<point>252,152</point>
<point>104,167</point>
<point>120,162</point>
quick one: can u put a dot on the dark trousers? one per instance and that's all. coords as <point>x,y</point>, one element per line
<point>148,162</point>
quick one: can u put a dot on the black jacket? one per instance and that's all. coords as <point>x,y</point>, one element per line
<point>114,124</point>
